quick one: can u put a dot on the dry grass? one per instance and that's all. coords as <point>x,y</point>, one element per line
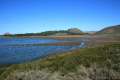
<point>100,63</point>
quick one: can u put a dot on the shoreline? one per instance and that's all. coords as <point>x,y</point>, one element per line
<point>66,43</point>
<point>53,37</point>
<point>90,40</point>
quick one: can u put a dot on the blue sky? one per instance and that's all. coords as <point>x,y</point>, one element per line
<point>26,16</point>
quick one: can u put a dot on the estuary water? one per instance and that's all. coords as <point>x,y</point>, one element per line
<point>10,53</point>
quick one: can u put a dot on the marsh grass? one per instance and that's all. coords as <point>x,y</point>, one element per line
<point>103,60</point>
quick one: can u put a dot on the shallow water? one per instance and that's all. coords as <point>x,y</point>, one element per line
<point>18,54</point>
<point>7,41</point>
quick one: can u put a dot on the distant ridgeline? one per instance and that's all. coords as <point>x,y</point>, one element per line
<point>72,31</point>
<point>112,30</point>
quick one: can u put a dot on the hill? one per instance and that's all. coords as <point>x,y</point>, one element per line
<point>71,31</point>
<point>74,31</point>
<point>110,30</point>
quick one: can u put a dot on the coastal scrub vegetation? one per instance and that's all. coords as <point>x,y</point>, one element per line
<point>97,63</point>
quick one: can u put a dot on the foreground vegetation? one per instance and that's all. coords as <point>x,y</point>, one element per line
<point>99,63</point>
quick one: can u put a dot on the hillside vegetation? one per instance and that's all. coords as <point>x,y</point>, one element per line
<point>110,30</point>
<point>72,31</point>
<point>98,63</point>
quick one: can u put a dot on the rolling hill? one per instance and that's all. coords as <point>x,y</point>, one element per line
<point>110,30</point>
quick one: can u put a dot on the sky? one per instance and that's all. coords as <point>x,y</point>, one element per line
<point>27,16</point>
